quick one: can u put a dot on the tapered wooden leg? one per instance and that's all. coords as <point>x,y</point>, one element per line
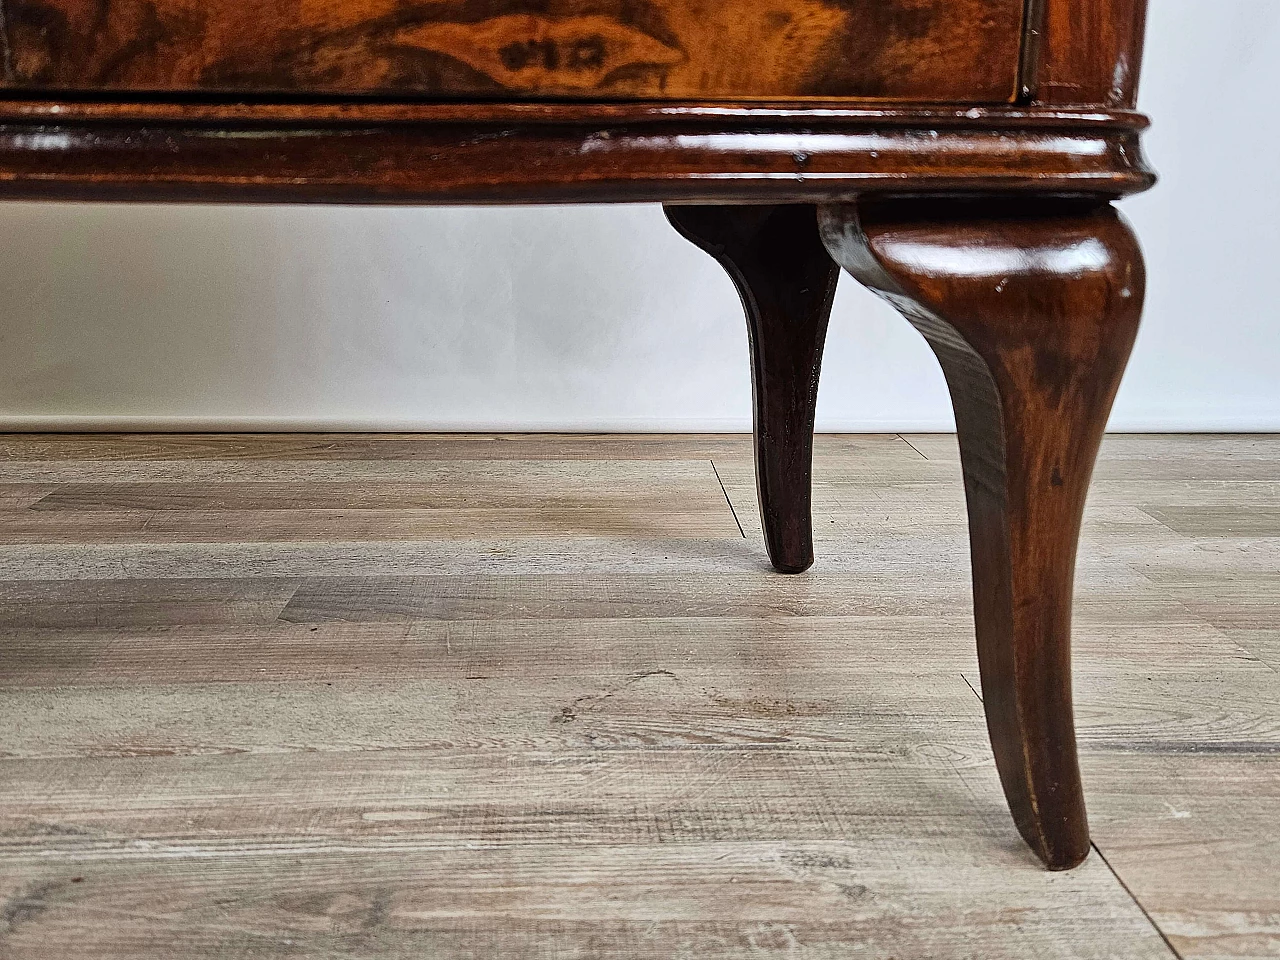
<point>1032,309</point>
<point>787,282</point>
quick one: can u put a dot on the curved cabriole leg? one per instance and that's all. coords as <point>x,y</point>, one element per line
<point>1032,308</point>
<point>787,282</point>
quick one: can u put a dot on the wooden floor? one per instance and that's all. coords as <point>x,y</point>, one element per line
<point>448,697</point>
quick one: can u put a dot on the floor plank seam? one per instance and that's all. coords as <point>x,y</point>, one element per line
<point>1220,635</point>
<point>279,618</point>
<point>1147,511</point>
<point>727,500</point>
<point>912,446</point>
<point>1136,902</point>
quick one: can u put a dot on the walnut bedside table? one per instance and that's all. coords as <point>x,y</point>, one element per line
<point>959,157</point>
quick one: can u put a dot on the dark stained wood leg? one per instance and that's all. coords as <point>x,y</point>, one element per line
<point>1032,308</point>
<point>787,282</point>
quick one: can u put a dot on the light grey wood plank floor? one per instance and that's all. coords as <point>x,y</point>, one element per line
<point>535,696</point>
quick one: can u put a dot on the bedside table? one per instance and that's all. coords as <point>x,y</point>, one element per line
<point>959,157</point>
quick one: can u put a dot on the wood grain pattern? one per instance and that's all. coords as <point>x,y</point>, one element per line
<point>429,500</point>
<point>801,773</point>
<point>604,901</point>
<point>1032,313</point>
<point>26,452</point>
<point>939,50</point>
<point>183,646</point>
<point>827,114</point>
<point>1193,833</point>
<point>685,101</point>
<point>64,604</point>
<point>1088,52</point>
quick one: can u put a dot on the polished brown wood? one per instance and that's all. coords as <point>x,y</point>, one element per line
<point>927,50</point>
<point>546,153</point>
<point>1086,52</point>
<point>787,283</point>
<point>1032,310</point>
<point>823,116</point>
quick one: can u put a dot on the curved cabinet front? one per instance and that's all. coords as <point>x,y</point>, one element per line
<point>941,51</point>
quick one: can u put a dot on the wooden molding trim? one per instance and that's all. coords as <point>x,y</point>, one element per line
<point>405,153</point>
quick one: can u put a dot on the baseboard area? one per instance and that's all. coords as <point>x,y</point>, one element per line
<point>249,424</point>
<point>240,424</point>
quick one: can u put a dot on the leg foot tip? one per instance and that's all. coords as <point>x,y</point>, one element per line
<point>1056,861</point>
<point>791,567</point>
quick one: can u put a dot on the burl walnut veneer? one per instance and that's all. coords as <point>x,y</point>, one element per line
<point>959,157</point>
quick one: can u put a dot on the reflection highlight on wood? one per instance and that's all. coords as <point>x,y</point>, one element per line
<point>1032,311</point>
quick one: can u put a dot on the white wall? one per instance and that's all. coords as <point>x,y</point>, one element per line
<point>601,317</point>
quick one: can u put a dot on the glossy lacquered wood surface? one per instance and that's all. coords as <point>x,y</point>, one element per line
<point>943,50</point>
<point>1032,310</point>
<point>750,122</point>
<point>549,154</point>
<point>1084,51</point>
<point>787,283</point>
